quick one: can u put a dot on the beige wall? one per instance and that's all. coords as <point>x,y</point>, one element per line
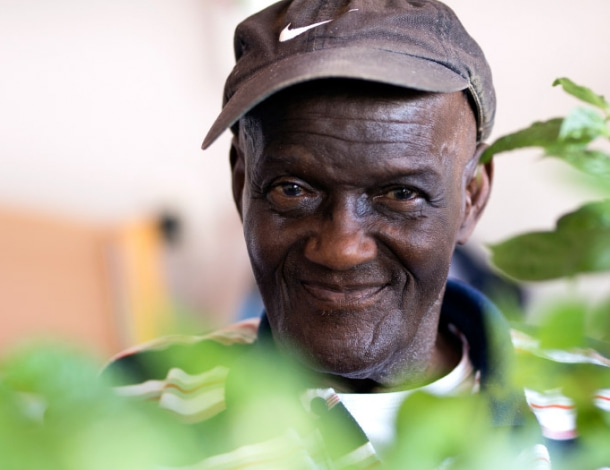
<point>103,105</point>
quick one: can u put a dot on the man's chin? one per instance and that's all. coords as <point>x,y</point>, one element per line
<point>356,369</point>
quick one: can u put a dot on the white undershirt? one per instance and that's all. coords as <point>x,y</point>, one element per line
<point>376,412</point>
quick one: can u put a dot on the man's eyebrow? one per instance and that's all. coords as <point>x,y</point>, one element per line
<point>278,158</point>
<point>426,173</point>
<point>274,163</point>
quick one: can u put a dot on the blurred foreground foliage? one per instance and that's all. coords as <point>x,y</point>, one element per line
<point>579,245</point>
<point>56,413</point>
<point>580,242</point>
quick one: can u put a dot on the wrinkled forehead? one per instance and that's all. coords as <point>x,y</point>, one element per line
<point>355,100</point>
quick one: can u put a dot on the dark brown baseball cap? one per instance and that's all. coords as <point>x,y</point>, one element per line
<point>417,44</point>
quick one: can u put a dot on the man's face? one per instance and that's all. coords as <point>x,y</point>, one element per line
<point>352,205</point>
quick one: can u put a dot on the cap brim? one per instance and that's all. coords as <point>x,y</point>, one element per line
<point>357,63</point>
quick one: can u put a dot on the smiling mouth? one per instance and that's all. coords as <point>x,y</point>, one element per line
<point>351,296</point>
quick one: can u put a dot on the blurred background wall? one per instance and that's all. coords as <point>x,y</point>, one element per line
<point>103,107</point>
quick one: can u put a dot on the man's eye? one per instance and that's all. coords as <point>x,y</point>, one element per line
<point>401,194</point>
<point>288,195</point>
<point>289,189</point>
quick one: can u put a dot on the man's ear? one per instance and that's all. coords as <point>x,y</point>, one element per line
<point>478,189</point>
<point>238,174</point>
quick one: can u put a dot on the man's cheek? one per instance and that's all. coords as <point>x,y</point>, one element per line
<point>265,249</point>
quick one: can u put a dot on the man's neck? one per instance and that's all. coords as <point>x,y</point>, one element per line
<point>445,357</point>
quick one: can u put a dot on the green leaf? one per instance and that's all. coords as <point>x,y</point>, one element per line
<point>595,215</point>
<point>534,256</point>
<point>541,256</point>
<point>599,322</point>
<point>583,93</point>
<point>590,162</point>
<point>564,327</point>
<point>427,433</point>
<point>593,437</point>
<point>536,372</point>
<point>539,134</point>
<point>583,125</point>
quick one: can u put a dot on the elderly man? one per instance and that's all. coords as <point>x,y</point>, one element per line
<point>358,127</point>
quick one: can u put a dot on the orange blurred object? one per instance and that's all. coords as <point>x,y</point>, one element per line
<point>98,287</point>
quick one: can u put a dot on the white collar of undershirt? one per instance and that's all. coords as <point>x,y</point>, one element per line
<point>376,412</point>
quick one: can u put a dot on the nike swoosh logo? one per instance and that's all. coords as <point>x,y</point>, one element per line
<point>287,34</point>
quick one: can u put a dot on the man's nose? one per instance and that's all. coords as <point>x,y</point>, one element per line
<point>341,242</point>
